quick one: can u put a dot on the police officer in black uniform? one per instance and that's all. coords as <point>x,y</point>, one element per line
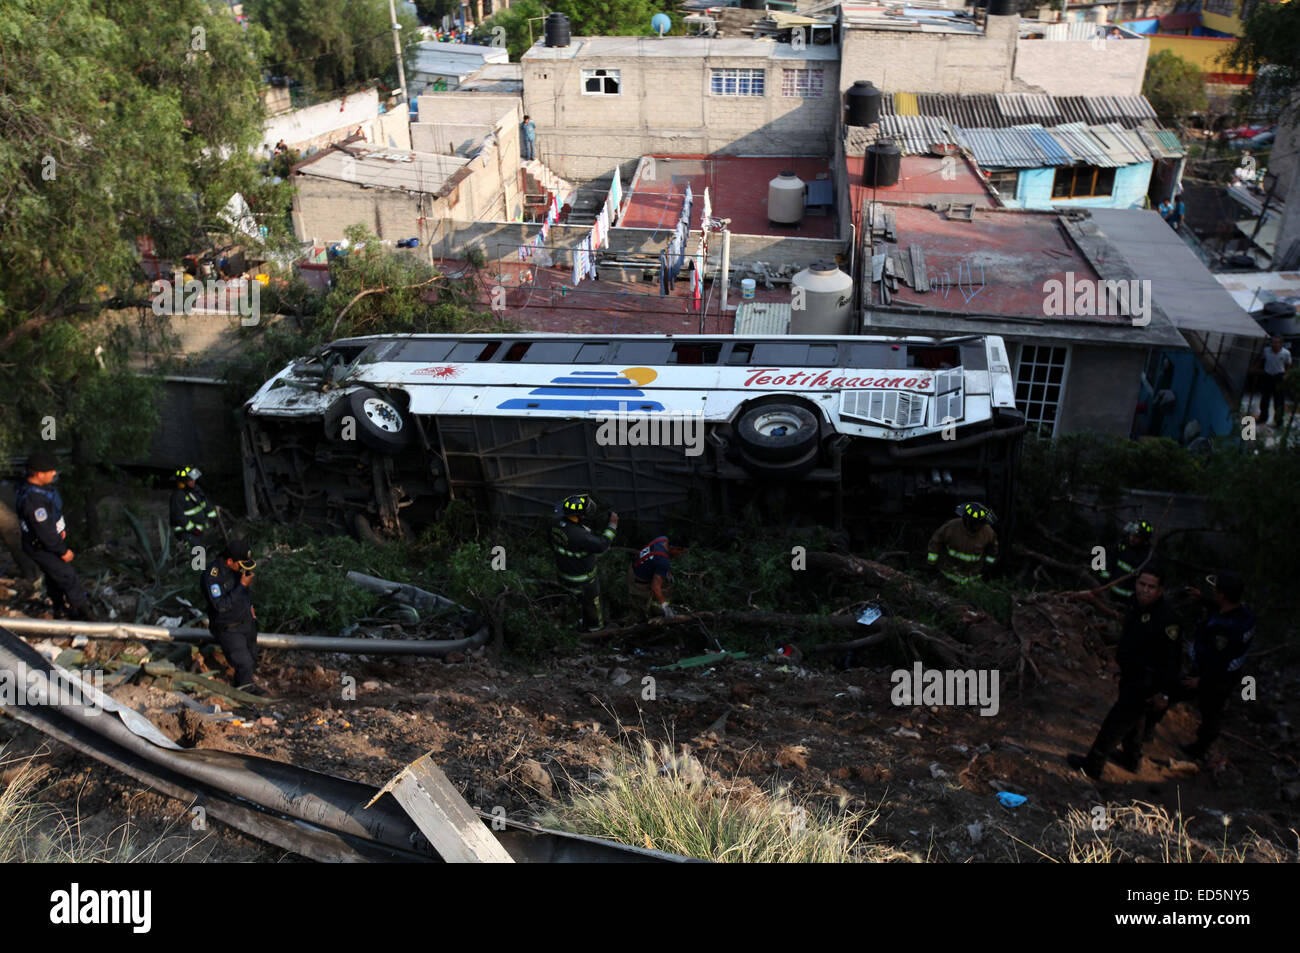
<point>231,617</point>
<point>44,536</point>
<point>191,513</point>
<point>576,548</point>
<point>1149,655</point>
<point>1218,653</point>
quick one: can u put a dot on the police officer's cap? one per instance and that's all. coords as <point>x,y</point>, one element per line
<point>41,461</point>
<point>238,550</point>
<point>1229,583</point>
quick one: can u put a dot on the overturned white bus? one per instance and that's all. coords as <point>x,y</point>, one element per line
<point>376,434</point>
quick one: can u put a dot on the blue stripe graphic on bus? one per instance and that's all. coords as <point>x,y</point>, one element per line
<point>590,390</point>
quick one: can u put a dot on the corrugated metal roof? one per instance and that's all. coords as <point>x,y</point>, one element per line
<point>763,317</point>
<point>1098,129</point>
<point>915,134</point>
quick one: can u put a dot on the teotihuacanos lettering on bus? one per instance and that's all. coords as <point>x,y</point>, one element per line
<point>776,376</point>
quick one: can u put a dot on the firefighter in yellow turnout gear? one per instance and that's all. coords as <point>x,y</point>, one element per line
<point>964,547</point>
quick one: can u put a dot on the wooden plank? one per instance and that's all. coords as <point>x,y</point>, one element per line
<point>918,268</point>
<point>877,266</point>
<point>889,227</point>
<point>456,832</point>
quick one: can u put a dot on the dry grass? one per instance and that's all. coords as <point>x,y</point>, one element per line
<point>34,831</point>
<point>647,796</point>
<point>1144,832</point>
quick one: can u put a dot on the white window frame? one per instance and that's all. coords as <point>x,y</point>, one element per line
<point>1035,418</point>
<point>792,88</point>
<point>726,74</point>
<point>604,75</point>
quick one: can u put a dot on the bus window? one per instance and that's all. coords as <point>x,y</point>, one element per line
<point>741,353</point>
<point>792,354</point>
<point>643,354</point>
<point>933,358</point>
<point>420,352</point>
<point>592,354</point>
<point>517,351</point>
<point>876,355</point>
<point>552,352</point>
<point>697,353</point>
<point>823,355</point>
<point>473,351</point>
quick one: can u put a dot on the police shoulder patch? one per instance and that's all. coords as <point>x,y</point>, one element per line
<point>40,515</point>
<point>1171,631</point>
<point>215,589</point>
<point>1146,617</point>
<point>213,572</point>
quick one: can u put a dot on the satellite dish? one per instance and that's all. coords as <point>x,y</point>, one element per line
<point>661,23</point>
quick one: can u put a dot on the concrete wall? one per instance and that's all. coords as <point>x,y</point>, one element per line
<point>1080,67</point>
<point>486,189</point>
<point>1101,390</point>
<point>665,107</point>
<point>315,127</point>
<point>931,62</point>
<point>1034,189</point>
<point>392,129</point>
<point>996,61</point>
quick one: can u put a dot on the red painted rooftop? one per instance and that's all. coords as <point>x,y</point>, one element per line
<point>921,182</point>
<point>737,188</point>
<point>996,264</point>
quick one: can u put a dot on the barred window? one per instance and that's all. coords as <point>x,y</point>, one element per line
<point>601,82</point>
<point>738,82</point>
<point>1040,380</point>
<point>801,83</point>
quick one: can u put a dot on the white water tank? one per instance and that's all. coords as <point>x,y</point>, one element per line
<point>821,300</point>
<point>785,199</point>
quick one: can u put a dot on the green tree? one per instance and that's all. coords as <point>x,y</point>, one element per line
<point>1175,87</point>
<point>1270,48</point>
<point>115,123</point>
<point>332,45</point>
<point>586,18</point>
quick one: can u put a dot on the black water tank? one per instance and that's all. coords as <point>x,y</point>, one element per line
<point>557,29</point>
<point>864,103</point>
<point>753,4</point>
<point>1003,8</point>
<point>884,159</point>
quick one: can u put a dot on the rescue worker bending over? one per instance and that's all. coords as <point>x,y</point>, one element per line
<point>961,548</point>
<point>650,577</point>
<point>576,548</point>
<point>1131,552</point>
<point>1150,653</point>
<point>231,616</point>
<point>191,513</point>
<point>44,536</point>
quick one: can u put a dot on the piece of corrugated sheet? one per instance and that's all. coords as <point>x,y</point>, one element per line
<point>763,317</point>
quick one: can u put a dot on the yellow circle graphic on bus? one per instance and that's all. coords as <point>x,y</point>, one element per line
<point>642,375</point>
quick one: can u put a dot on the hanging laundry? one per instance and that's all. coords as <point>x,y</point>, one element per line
<point>708,209</point>
<point>615,196</point>
<point>663,274</point>
<point>579,269</point>
<point>697,278</point>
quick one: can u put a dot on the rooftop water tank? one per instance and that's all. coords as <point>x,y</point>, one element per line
<point>863,100</point>
<point>883,161</point>
<point>557,29</point>
<point>785,199</point>
<point>1003,8</point>
<point>826,296</point>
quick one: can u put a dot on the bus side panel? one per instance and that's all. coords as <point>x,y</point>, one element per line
<point>521,466</point>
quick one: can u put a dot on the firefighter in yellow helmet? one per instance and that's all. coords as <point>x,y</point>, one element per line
<point>576,548</point>
<point>962,548</point>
